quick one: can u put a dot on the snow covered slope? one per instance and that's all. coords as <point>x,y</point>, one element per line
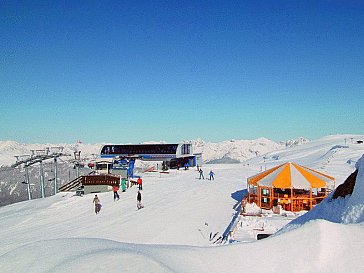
<point>171,234</point>
<point>321,253</point>
<point>335,155</point>
<point>177,205</point>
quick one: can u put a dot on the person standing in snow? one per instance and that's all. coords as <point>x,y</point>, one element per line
<point>211,174</point>
<point>140,183</point>
<point>116,194</point>
<point>139,200</point>
<point>201,174</point>
<point>123,185</point>
<point>97,204</point>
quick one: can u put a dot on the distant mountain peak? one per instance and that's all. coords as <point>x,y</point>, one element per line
<point>294,142</point>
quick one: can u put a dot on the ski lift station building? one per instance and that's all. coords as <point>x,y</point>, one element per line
<point>116,162</point>
<point>114,156</point>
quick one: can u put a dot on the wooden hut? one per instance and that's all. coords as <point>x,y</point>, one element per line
<point>290,185</point>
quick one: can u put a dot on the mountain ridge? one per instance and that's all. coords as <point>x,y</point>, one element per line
<point>239,150</point>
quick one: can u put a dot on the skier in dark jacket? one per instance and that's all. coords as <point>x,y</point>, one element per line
<point>97,203</point>
<point>201,174</point>
<point>139,201</point>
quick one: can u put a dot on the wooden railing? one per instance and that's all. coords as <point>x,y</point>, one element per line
<point>91,179</point>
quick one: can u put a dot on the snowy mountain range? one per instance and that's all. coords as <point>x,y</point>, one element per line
<point>233,150</point>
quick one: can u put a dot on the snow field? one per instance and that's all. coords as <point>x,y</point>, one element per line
<point>171,234</point>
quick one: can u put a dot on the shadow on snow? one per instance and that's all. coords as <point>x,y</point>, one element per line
<point>237,196</point>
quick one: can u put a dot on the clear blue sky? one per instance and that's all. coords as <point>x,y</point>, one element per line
<point>132,71</point>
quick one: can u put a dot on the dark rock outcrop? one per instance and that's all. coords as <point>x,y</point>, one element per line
<point>347,187</point>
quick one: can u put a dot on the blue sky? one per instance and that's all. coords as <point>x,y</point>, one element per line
<point>133,71</point>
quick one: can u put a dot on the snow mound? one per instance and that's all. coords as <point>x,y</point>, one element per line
<point>336,147</point>
<point>252,208</point>
<point>320,254</point>
<point>81,255</point>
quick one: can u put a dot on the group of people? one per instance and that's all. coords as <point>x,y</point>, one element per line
<point>123,187</point>
<point>211,174</point>
<point>186,166</point>
<point>97,202</point>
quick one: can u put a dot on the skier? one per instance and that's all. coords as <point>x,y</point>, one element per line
<point>97,204</point>
<point>116,194</point>
<point>140,183</point>
<point>201,174</point>
<point>139,201</point>
<point>123,185</point>
<point>211,174</point>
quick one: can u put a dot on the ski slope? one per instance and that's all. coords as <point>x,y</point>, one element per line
<point>171,234</point>
<point>177,206</point>
<point>331,154</point>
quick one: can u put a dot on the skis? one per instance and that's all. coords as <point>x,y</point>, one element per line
<point>213,236</point>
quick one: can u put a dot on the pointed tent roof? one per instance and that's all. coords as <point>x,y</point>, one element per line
<point>292,175</point>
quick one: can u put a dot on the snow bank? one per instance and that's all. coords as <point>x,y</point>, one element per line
<point>309,249</point>
<point>252,208</point>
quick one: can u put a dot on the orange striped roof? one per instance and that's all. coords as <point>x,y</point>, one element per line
<point>291,175</point>
<point>254,179</point>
